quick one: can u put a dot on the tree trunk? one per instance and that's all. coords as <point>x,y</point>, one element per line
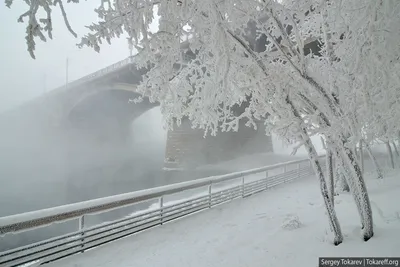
<point>359,190</point>
<point>340,180</point>
<point>345,184</point>
<point>395,148</point>
<point>345,181</point>
<point>361,157</point>
<point>374,161</point>
<point>338,176</point>
<point>390,154</point>
<point>356,176</point>
<point>334,222</point>
<point>329,171</point>
<point>312,154</point>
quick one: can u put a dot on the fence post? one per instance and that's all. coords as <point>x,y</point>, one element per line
<point>161,202</point>
<point>298,170</point>
<point>243,186</point>
<point>266,180</point>
<point>209,194</point>
<point>81,227</point>
<point>285,179</point>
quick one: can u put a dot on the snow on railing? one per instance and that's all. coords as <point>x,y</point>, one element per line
<point>215,191</point>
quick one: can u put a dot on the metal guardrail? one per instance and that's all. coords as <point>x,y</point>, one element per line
<point>241,184</point>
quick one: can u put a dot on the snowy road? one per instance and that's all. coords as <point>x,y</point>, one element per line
<point>249,232</point>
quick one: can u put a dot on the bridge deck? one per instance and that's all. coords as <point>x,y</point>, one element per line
<point>249,233</point>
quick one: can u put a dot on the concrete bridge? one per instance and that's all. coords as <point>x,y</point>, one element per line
<point>75,143</point>
<point>95,112</point>
<point>97,106</point>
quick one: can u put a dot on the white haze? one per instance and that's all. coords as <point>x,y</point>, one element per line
<point>23,78</point>
<point>37,168</point>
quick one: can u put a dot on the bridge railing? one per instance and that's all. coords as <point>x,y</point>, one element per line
<point>90,77</point>
<point>211,191</point>
<point>116,66</point>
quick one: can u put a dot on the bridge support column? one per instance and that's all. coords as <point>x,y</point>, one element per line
<point>187,148</point>
<point>183,144</point>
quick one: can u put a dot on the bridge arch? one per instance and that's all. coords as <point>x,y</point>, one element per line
<point>86,95</point>
<point>102,150</point>
<point>185,147</point>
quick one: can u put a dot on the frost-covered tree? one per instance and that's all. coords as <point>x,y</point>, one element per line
<point>333,91</point>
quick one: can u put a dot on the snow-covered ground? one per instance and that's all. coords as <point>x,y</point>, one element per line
<point>285,226</point>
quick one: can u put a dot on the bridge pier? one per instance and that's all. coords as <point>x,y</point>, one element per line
<point>186,148</point>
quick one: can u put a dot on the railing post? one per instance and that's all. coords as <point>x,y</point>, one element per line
<point>243,186</point>
<point>298,170</point>
<point>209,194</point>
<point>81,229</point>
<point>285,179</point>
<point>161,202</point>
<point>266,180</point>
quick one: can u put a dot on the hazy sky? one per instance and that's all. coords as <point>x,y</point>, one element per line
<point>23,78</point>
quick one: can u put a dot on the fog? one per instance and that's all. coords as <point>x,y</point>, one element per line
<point>23,78</point>
<point>43,166</point>
<point>109,147</point>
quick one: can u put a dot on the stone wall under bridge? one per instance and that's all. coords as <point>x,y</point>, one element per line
<point>186,148</point>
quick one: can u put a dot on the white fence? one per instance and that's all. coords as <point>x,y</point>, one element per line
<point>211,191</point>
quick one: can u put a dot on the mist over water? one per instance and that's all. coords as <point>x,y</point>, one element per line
<point>34,163</point>
<point>42,166</point>
<point>38,170</point>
